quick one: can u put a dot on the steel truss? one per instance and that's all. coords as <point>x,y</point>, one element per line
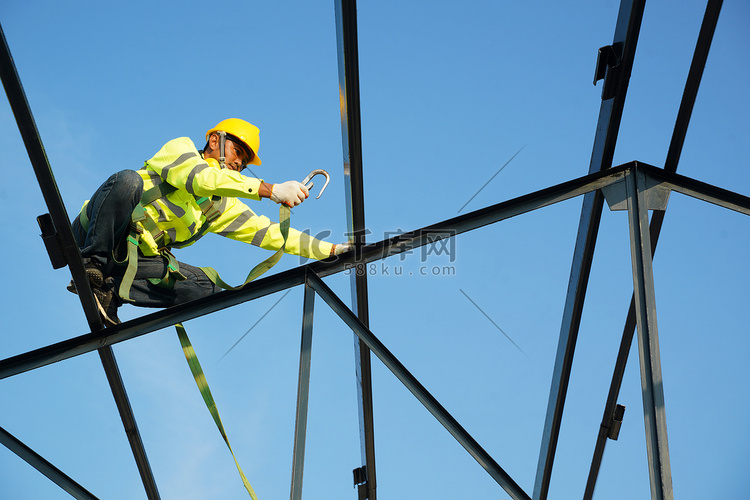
<point>635,187</point>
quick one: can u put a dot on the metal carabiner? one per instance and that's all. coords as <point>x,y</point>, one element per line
<point>308,180</point>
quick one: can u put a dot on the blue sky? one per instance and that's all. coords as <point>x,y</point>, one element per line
<point>448,94</point>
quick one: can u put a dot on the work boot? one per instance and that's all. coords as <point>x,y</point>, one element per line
<point>105,294</point>
<point>107,300</point>
<point>93,273</point>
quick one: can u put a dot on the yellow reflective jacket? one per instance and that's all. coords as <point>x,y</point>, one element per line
<point>180,164</point>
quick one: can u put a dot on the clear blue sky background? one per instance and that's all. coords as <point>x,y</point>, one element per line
<point>449,93</point>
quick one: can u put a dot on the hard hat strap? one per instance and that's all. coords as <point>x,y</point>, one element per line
<point>222,141</point>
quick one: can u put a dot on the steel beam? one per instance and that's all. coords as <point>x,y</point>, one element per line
<point>42,465</point>
<point>692,84</point>
<point>689,95</point>
<point>59,216</point>
<point>701,190</point>
<point>351,134</point>
<point>303,393</point>
<point>69,348</point>
<point>616,76</point>
<point>418,390</point>
<point>654,411</point>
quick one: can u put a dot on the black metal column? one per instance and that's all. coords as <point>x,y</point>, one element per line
<point>689,95</point>
<point>614,66</point>
<point>303,392</point>
<point>69,251</point>
<point>348,67</point>
<point>654,411</point>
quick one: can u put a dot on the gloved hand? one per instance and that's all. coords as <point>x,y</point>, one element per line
<point>341,248</point>
<point>290,193</point>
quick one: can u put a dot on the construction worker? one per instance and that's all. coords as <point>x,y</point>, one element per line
<point>127,228</point>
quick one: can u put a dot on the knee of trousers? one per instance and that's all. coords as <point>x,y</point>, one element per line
<point>131,179</point>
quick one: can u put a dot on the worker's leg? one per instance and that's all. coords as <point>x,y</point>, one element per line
<point>145,294</point>
<point>109,211</point>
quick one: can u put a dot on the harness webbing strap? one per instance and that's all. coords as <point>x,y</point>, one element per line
<point>172,273</point>
<point>129,276</point>
<point>139,214</point>
<point>159,191</point>
<point>83,217</point>
<point>200,380</point>
<point>207,207</point>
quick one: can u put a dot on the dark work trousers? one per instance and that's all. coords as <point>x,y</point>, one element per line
<point>109,211</point>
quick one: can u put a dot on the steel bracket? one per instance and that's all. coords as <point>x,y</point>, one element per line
<point>656,195</point>
<point>615,422</point>
<point>360,475</point>
<point>360,482</point>
<point>52,241</point>
<point>608,58</point>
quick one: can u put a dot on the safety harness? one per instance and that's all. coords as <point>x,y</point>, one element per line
<point>139,215</point>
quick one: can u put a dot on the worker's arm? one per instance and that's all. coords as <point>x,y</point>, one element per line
<point>240,223</point>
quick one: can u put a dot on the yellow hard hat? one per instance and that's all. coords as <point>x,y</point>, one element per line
<point>246,132</point>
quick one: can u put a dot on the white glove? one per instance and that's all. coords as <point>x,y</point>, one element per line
<point>290,193</point>
<point>341,248</point>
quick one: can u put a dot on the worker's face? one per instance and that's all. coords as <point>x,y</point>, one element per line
<point>235,156</point>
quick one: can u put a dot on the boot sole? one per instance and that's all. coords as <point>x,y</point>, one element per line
<point>107,320</point>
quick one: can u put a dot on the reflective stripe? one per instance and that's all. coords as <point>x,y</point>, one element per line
<point>189,183</point>
<point>237,223</point>
<point>176,209</point>
<point>258,237</point>
<point>153,177</point>
<point>179,161</point>
<point>171,234</point>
